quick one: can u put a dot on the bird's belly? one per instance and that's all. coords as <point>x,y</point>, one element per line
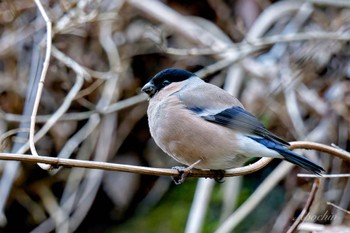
<point>214,145</point>
<point>211,158</point>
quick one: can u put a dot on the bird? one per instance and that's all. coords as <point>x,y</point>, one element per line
<point>204,127</point>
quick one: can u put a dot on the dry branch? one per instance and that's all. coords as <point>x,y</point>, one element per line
<point>41,82</point>
<point>306,207</point>
<point>57,162</point>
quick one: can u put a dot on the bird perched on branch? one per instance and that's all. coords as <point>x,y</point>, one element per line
<point>204,127</point>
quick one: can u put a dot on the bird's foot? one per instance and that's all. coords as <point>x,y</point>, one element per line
<point>183,172</point>
<point>219,175</point>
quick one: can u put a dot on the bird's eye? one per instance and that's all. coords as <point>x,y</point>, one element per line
<point>165,83</point>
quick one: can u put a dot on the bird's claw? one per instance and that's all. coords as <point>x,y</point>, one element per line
<point>183,173</point>
<point>219,176</point>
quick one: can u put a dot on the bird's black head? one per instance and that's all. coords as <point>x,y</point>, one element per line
<point>164,78</point>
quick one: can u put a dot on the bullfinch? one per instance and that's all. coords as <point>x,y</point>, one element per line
<point>204,127</point>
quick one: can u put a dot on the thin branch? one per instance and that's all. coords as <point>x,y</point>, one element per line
<point>176,21</point>
<point>56,162</point>
<point>41,81</point>
<point>324,176</point>
<point>343,154</point>
<point>9,133</point>
<point>122,104</point>
<point>90,89</point>
<point>294,37</point>
<point>260,42</point>
<point>306,207</point>
<point>85,131</point>
<point>338,207</point>
<point>71,116</point>
<point>71,63</point>
<point>225,62</point>
<point>77,116</point>
<point>62,109</point>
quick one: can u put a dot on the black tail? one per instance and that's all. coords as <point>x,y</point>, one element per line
<point>299,160</point>
<point>290,156</point>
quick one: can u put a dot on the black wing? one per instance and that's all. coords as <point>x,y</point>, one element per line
<point>239,119</point>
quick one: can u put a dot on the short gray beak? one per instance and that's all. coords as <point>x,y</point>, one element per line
<point>149,89</point>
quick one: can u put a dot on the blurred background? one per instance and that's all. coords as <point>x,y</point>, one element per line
<point>287,61</point>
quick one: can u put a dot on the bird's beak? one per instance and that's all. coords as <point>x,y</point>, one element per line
<point>149,89</point>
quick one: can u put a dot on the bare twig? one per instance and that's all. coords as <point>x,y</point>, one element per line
<point>9,133</point>
<point>57,213</point>
<point>324,176</point>
<point>69,62</point>
<point>122,104</point>
<point>41,81</point>
<point>262,42</point>
<point>338,207</point>
<point>79,137</point>
<point>77,116</point>
<point>176,21</point>
<point>306,207</point>
<point>62,109</point>
<point>56,162</point>
<point>340,153</point>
